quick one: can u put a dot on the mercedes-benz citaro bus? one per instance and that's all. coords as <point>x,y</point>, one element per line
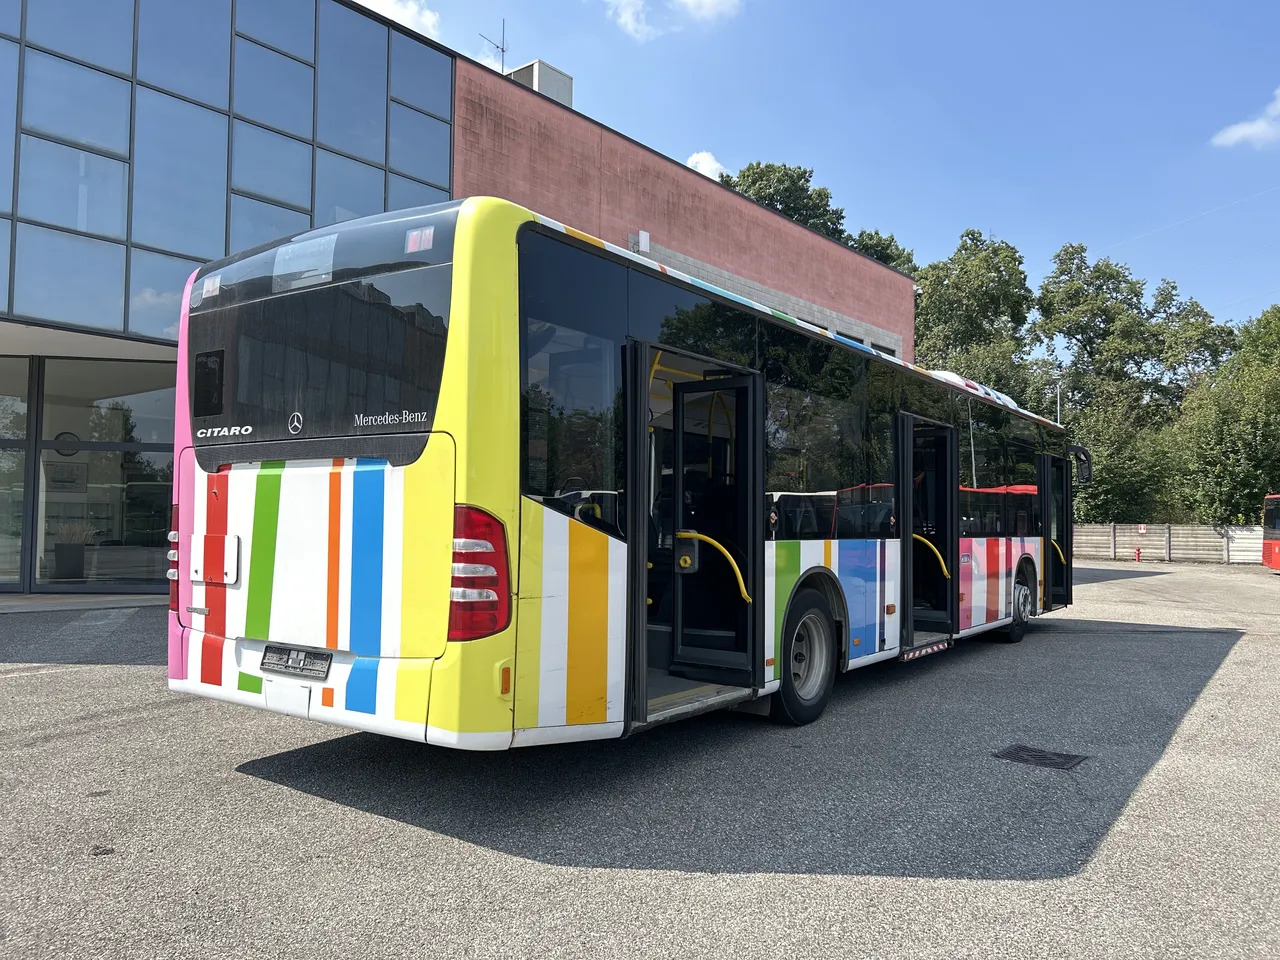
<point>465,475</point>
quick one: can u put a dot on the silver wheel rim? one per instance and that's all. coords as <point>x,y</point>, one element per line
<point>810,657</point>
<point>1021,602</point>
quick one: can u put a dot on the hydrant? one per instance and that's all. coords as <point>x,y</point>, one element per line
<point>1137,554</point>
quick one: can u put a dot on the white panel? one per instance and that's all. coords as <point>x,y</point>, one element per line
<point>285,696</point>
<point>812,554</point>
<point>615,690</point>
<point>536,736</point>
<point>298,605</point>
<point>978,589</point>
<point>392,565</point>
<point>770,604</point>
<point>891,577</point>
<point>476,741</point>
<point>241,491</point>
<point>199,525</point>
<point>553,668</point>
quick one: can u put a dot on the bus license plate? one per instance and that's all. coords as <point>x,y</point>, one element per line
<point>302,663</point>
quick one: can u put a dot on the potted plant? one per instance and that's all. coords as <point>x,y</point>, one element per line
<point>68,552</point>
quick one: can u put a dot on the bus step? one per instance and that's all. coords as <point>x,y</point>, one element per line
<point>915,653</point>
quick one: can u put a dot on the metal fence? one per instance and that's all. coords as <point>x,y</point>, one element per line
<point>1169,541</point>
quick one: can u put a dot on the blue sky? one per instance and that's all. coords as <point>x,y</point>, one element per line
<point>1149,131</point>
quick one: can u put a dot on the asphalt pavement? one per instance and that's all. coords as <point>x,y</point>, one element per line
<point>139,823</point>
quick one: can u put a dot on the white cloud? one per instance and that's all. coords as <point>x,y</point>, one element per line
<point>709,9</point>
<point>1262,131</point>
<point>489,59</point>
<point>633,17</point>
<point>705,162</point>
<point>414,14</point>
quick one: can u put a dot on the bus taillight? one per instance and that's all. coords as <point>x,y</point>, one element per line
<point>172,572</point>
<point>480,587</point>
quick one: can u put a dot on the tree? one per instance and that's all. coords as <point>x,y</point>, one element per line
<point>971,314</point>
<point>886,249</point>
<point>790,191</point>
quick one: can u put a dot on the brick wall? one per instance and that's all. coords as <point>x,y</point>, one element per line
<point>510,142</point>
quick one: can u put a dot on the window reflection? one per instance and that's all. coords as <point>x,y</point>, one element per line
<point>272,89</point>
<point>156,283</point>
<point>11,17</point>
<point>108,401</point>
<point>403,192</point>
<point>185,47</point>
<point>13,398</point>
<point>179,177</point>
<point>345,189</point>
<point>270,165</point>
<point>5,240</point>
<point>287,25</point>
<point>419,145</point>
<point>98,31</point>
<point>75,103</point>
<point>8,115</point>
<point>254,222</point>
<point>352,82</point>
<point>421,75</point>
<point>72,188</point>
<point>71,279</point>
<point>13,465</point>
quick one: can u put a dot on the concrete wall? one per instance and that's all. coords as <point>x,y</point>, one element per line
<point>510,142</point>
<point>1175,542</point>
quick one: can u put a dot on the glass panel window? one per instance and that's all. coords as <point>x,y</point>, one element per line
<point>11,17</point>
<point>108,401</point>
<point>68,278</point>
<point>13,471</point>
<point>179,176</point>
<point>103,516</point>
<point>419,145</point>
<point>270,165</point>
<point>4,263</point>
<point>72,188</point>
<point>75,103</point>
<point>8,117</point>
<point>254,222</point>
<point>421,75</point>
<point>345,189</point>
<point>272,89</point>
<point>403,192</point>
<point>288,25</point>
<point>156,283</point>
<point>13,398</point>
<point>352,83</point>
<point>185,47</point>
<point>98,31</point>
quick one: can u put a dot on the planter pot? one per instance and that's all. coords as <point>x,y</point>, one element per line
<point>68,561</point>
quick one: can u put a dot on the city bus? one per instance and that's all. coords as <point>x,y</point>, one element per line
<point>465,475</point>
<point>1271,531</point>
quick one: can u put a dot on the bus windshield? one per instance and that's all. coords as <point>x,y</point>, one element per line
<point>1271,518</point>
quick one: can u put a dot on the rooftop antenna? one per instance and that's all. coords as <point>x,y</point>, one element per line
<point>500,47</point>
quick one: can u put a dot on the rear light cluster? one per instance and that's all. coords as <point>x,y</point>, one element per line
<point>172,572</point>
<point>480,587</point>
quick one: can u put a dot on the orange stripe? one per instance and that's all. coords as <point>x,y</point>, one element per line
<point>335,553</point>
<point>588,647</point>
<point>826,554</point>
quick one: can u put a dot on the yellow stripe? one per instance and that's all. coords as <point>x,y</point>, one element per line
<point>426,555</point>
<point>529,615</point>
<point>586,695</point>
<point>826,554</point>
<point>413,690</point>
<point>584,236</point>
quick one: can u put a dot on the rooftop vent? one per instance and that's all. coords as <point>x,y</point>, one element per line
<point>546,79</point>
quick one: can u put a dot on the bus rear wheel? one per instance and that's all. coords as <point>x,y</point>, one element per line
<point>808,664</point>
<point>1023,606</point>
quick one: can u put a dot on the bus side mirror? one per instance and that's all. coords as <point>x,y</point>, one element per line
<point>1084,463</point>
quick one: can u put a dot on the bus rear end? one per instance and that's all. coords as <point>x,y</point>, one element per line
<point>327,562</point>
<point>1271,531</point>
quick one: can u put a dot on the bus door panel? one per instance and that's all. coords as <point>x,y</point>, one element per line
<point>1056,522</point>
<point>929,479</point>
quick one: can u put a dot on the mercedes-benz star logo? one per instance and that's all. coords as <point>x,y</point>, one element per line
<point>295,422</point>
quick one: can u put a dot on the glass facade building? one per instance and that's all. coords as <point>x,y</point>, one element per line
<point>149,136</point>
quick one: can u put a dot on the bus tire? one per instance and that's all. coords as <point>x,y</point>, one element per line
<point>1023,605</point>
<point>808,664</point>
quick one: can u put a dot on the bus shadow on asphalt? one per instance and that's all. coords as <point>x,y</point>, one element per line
<point>896,779</point>
<point>1081,574</point>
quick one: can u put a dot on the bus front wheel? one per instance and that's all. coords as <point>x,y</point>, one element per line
<point>1023,605</point>
<point>808,663</point>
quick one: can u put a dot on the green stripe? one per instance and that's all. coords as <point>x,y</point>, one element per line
<point>786,571</point>
<point>249,683</point>
<point>262,557</point>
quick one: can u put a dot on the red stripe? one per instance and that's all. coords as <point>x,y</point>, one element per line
<point>994,579</point>
<point>215,594</point>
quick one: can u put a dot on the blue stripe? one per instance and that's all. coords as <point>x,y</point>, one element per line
<point>858,580</point>
<point>367,487</point>
<point>362,686</point>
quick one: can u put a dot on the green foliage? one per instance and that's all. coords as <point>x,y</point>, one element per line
<point>790,191</point>
<point>886,249</point>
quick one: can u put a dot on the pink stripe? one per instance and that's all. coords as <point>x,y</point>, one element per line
<point>184,465</point>
<point>966,585</point>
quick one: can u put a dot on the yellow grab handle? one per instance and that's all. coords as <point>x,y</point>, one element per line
<point>1059,549</point>
<point>945,572</point>
<point>690,535</point>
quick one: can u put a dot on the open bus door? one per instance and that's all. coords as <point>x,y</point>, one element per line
<point>929,492</point>
<point>1055,513</point>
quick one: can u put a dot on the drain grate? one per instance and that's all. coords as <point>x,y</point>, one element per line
<point>1021,753</point>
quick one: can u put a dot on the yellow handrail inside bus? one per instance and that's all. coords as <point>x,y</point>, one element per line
<point>1059,549</point>
<point>945,572</point>
<point>690,535</point>
<point>653,367</point>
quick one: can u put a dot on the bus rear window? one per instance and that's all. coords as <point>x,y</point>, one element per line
<point>360,357</point>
